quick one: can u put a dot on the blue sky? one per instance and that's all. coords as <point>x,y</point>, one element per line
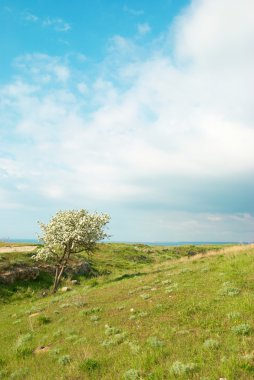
<point>141,109</point>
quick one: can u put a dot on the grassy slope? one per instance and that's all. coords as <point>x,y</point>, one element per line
<point>163,311</point>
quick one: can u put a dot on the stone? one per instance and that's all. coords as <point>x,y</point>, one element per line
<point>65,289</point>
<point>74,282</point>
<point>23,273</point>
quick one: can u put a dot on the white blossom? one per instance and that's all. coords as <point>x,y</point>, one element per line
<point>68,231</point>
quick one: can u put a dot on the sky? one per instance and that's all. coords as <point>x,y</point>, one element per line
<point>140,109</point>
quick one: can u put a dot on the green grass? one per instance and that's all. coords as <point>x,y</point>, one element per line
<point>152,313</point>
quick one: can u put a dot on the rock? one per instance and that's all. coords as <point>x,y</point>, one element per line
<point>29,273</point>
<point>74,282</point>
<point>22,273</point>
<point>83,269</point>
<point>65,289</point>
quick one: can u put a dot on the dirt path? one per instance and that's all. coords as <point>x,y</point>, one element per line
<point>24,248</point>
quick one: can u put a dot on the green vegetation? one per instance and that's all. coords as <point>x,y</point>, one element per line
<point>150,313</point>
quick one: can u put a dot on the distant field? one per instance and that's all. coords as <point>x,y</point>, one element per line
<point>16,244</point>
<point>151,313</point>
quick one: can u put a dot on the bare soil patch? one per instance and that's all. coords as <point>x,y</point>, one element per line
<point>23,248</point>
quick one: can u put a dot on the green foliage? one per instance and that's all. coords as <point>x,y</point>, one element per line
<point>64,359</point>
<point>191,333</point>
<point>131,374</point>
<point>154,342</point>
<point>211,344</point>
<point>44,319</point>
<point>179,368</point>
<point>243,329</point>
<point>89,365</point>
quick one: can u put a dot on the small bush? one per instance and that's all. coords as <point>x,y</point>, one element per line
<point>233,315</point>
<point>142,314</point>
<point>111,330</point>
<point>154,342</point>
<point>23,347</point>
<point>95,318</point>
<point>243,329</point>
<point>145,296</point>
<point>89,365</point>
<point>131,374</point>
<point>114,340</point>
<point>179,368</point>
<point>90,311</point>
<point>44,320</point>
<point>93,283</point>
<point>228,289</point>
<point>135,348</point>
<point>64,360</point>
<point>23,350</point>
<point>211,344</point>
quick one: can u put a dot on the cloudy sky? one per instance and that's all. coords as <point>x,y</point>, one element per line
<point>142,109</point>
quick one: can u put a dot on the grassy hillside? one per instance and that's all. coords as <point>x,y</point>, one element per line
<point>152,313</point>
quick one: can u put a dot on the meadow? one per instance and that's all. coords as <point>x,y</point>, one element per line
<point>146,313</point>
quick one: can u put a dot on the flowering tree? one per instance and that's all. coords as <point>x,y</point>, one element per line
<point>68,231</point>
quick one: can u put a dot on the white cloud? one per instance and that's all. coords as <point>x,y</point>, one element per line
<point>132,11</point>
<point>58,24</point>
<point>213,32</point>
<point>144,29</point>
<point>148,127</point>
<point>28,16</point>
<point>42,68</point>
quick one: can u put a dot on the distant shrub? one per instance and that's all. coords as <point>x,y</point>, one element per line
<point>80,341</point>
<point>131,374</point>
<point>17,322</point>
<point>89,365</point>
<point>90,311</point>
<point>95,318</point>
<point>72,338</point>
<point>171,288</point>
<point>243,329</point>
<point>23,350</point>
<point>64,360</point>
<point>142,314</point>
<point>233,315</point>
<point>44,320</point>
<point>186,270</point>
<point>154,342</point>
<point>24,338</point>
<point>134,347</point>
<point>145,296</point>
<point>228,289</point>
<point>165,282</point>
<point>58,333</point>
<point>23,347</point>
<point>211,344</point>
<point>114,340</point>
<point>111,330</point>
<point>179,368</point>
<point>93,283</point>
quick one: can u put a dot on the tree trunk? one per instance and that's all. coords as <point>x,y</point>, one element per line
<point>60,267</point>
<point>56,282</point>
